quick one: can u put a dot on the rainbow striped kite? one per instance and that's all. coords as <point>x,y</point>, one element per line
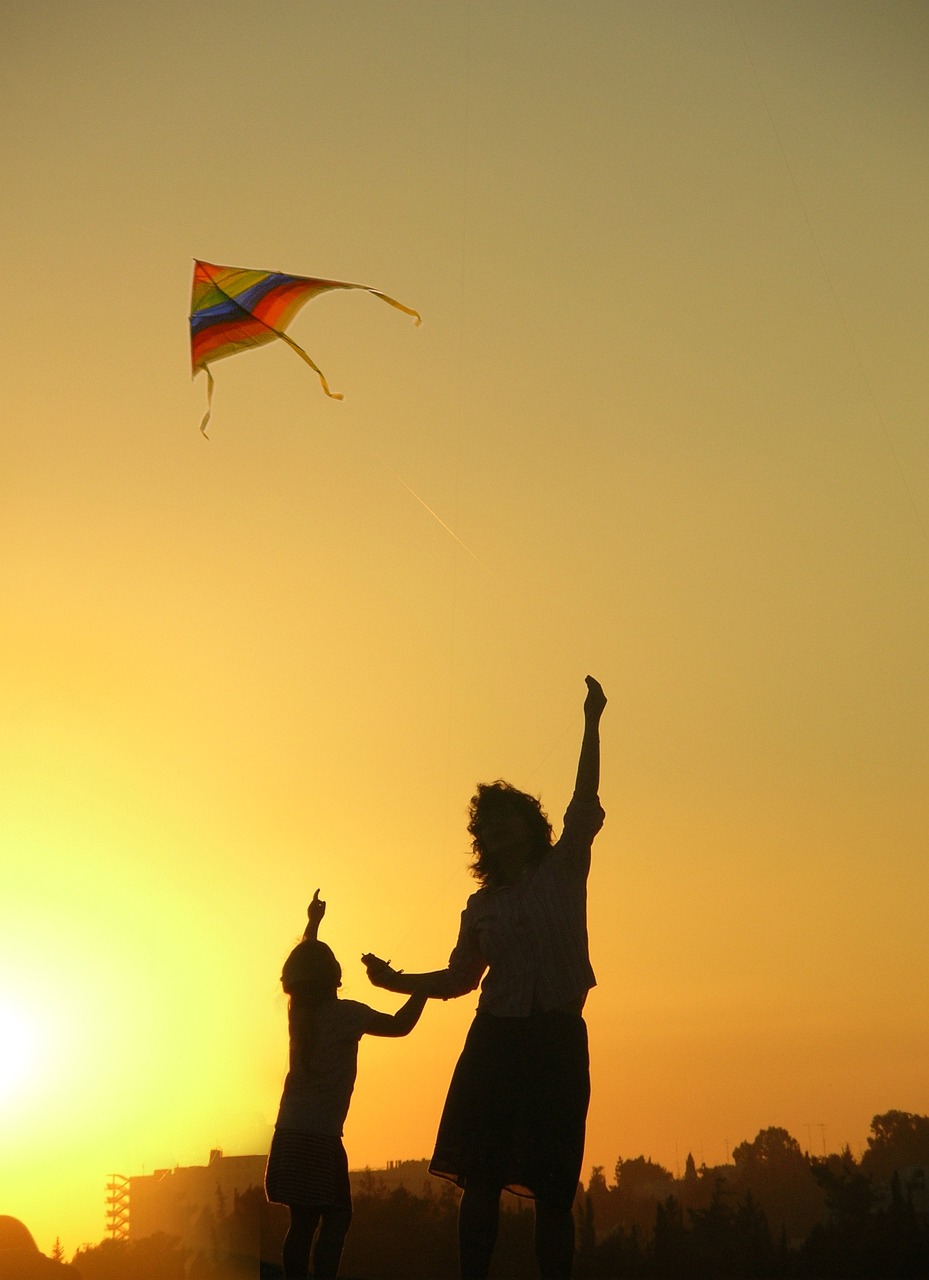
<point>232,309</point>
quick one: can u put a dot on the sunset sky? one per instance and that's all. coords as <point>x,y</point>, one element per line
<point>665,421</point>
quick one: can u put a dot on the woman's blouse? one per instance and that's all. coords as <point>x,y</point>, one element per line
<point>530,938</point>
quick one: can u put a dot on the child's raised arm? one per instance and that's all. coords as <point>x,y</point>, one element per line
<point>314,915</point>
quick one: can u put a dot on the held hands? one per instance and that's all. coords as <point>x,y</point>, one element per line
<point>380,974</point>
<point>595,700</point>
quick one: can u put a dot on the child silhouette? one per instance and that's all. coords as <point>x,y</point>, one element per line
<point>307,1166</point>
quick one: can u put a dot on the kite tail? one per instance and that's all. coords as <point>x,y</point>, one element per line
<point>333,395</point>
<point>399,305</point>
<point>209,399</point>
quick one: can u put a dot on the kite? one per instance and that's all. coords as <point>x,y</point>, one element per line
<point>232,309</point>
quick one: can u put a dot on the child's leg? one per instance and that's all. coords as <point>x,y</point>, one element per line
<point>331,1238</point>
<point>478,1220</point>
<point>303,1221</point>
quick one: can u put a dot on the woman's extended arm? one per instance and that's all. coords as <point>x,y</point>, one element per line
<point>588,766</point>
<point>436,985</point>
<point>463,973</point>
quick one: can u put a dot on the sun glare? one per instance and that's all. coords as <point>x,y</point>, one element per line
<point>18,1049</point>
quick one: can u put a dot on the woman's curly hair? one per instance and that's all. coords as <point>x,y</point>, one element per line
<point>500,794</point>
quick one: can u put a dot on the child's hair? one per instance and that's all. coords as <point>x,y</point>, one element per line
<point>311,976</point>
<point>311,966</point>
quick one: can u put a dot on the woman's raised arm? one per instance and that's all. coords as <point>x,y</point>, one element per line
<point>588,766</point>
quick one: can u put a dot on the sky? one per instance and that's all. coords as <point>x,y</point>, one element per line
<point>664,422</point>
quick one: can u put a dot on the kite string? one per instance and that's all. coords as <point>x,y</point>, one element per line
<point>459,398</point>
<point>422,502</point>
<point>829,280</point>
<point>428,906</point>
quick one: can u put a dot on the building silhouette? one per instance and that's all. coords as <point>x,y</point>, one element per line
<point>187,1202</point>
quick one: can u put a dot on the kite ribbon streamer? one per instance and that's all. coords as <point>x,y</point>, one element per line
<point>232,309</point>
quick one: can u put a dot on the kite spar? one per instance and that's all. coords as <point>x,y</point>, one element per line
<point>233,309</point>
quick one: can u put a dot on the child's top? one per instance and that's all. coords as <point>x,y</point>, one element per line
<point>319,1084</point>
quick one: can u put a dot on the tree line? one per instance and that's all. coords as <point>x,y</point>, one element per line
<point>775,1212</point>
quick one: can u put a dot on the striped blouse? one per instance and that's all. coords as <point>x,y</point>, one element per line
<point>528,940</point>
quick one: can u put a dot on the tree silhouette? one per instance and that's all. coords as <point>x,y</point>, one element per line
<point>641,1184</point>
<point>778,1175</point>
<point>899,1142</point>
<point>156,1257</point>
<point>642,1177</point>
<point>772,1148</point>
<point>775,1214</point>
<point>849,1194</point>
<point>671,1244</point>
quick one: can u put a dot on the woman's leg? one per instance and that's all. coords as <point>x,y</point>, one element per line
<point>554,1240</point>
<point>478,1219</point>
<point>559,1110</point>
<point>297,1242</point>
<point>332,1233</point>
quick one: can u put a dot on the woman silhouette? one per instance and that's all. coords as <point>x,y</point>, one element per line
<point>515,1114</point>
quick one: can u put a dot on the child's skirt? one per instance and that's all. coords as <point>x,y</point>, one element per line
<point>307,1169</point>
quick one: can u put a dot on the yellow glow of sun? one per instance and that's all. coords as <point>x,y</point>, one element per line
<point>18,1048</point>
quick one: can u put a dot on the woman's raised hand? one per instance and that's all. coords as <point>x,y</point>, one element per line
<point>595,700</point>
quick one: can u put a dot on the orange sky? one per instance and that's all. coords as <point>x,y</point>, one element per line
<point>670,395</point>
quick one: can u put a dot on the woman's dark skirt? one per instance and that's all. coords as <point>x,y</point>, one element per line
<point>307,1169</point>
<point>516,1109</point>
